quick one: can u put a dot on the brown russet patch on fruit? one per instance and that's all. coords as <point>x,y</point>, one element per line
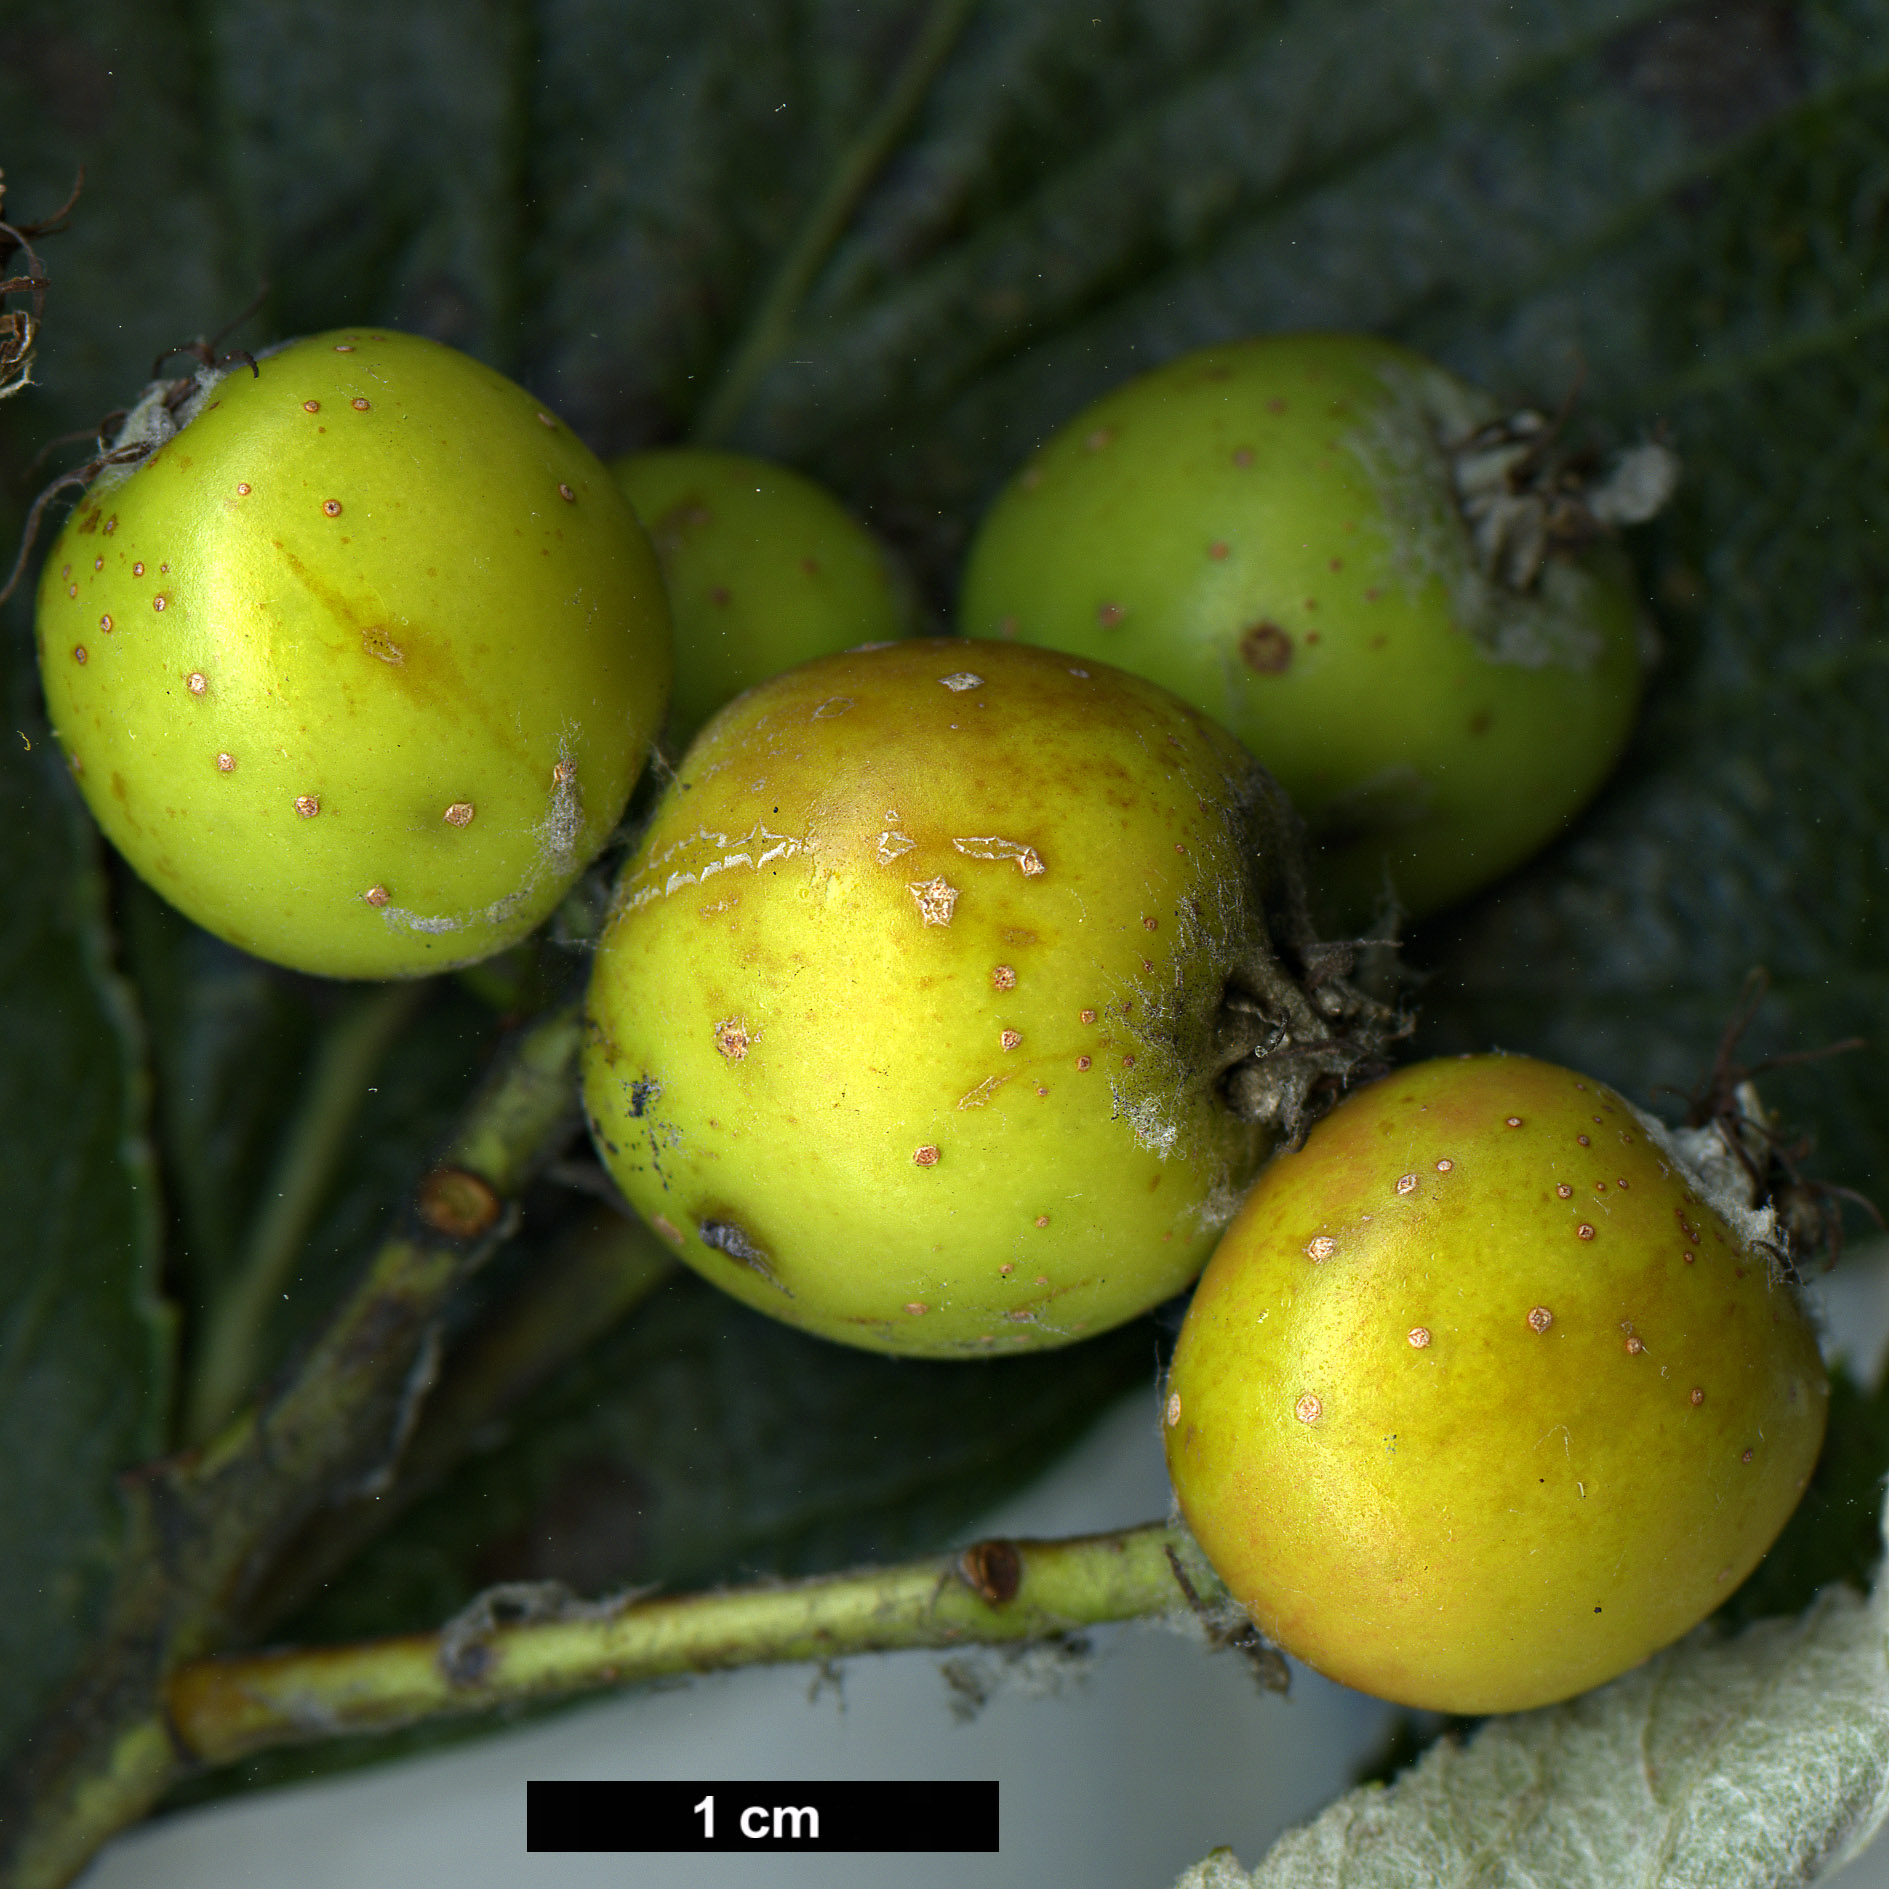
<point>1698,1395</point>
<point>1308,1409</point>
<point>457,1203</point>
<point>992,1570</point>
<point>1266,649</point>
<point>1002,977</point>
<point>1085,1016</point>
<point>458,814</point>
<point>925,1157</point>
<point>1042,1220</point>
<point>1011,1038</point>
<point>381,646</point>
<point>1320,1248</point>
<point>311,406</point>
<point>358,404</point>
<point>936,899</point>
<point>307,805</point>
<point>961,680</point>
<point>732,1038</point>
<point>226,764</point>
<point>1085,1062</point>
<point>377,896</point>
<point>1540,1318</point>
<point>1419,1337</point>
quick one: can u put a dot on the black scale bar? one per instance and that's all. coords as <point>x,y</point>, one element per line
<point>613,1814</point>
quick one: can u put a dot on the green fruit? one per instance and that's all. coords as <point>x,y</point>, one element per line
<point>357,668</point>
<point>1479,1402</point>
<point>764,568</point>
<point>1280,531</point>
<point>922,1018</point>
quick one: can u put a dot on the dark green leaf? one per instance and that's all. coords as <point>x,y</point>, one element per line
<point>85,1340</point>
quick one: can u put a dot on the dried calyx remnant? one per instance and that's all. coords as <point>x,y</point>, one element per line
<point>23,281</point>
<point>1749,1166</point>
<point>125,439</point>
<point>1524,500</point>
<point>1294,1030</point>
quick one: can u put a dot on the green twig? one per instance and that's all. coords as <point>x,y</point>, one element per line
<point>350,1054</point>
<point>997,1593</point>
<point>202,1529</point>
<point>771,329</point>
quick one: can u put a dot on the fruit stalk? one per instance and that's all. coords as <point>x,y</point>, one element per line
<point>993,1594</point>
<point>203,1528</point>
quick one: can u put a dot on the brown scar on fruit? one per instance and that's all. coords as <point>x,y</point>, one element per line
<point>976,1098</point>
<point>377,896</point>
<point>732,1038</point>
<point>725,1236</point>
<point>1308,1409</point>
<point>1002,977</point>
<point>1321,1248</point>
<point>307,805</point>
<point>1419,1337</point>
<point>1011,1038</point>
<point>458,814</point>
<point>926,1156</point>
<point>935,899</point>
<point>457,1203</point>
<point>1173,1408</point>
<point>1540,1318</point>
<point>1266,649</point>
<point>381,646</point>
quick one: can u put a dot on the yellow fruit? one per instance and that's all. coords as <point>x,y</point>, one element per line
<point>764,569</point>
<point>1479,1402</point>
<point>909,1024</point>
<point>359,666</point>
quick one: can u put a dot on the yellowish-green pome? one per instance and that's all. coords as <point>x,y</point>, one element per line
<point>1387,589</point>
<point>357,667</point>
<point>1487,1395</point>
<point>910,1021</point>
<point>765,569</point>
